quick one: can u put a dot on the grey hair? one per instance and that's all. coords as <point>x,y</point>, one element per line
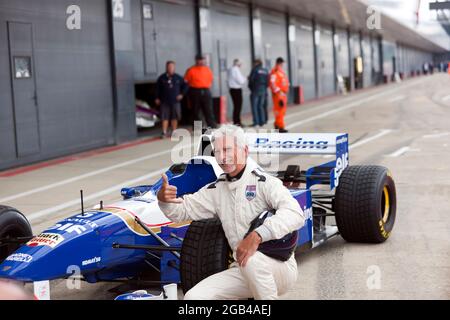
<point>230,130</point>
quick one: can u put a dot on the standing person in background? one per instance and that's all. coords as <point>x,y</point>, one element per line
<point>258,83</point>
<point>279,84</point>
<point>266,106</point>
<point>170,90</point>
<point>235,83</point>
<point>200,78</point>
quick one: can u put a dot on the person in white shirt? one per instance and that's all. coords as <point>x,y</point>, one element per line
<point>237,198</point>
<point>236,82</point>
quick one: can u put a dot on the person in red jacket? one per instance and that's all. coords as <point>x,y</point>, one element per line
<point>279,85</point>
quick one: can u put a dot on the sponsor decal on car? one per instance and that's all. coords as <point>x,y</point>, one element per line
<point>46,239</point>
<point>69,228</point>
<point>341,164</point>
<point>20,257</point>
<point>298,143</point>
<point>343,139</point>
<point>91,224</point>
<point>91,261</point>
<point>308,212</point>
<point>383,231</point>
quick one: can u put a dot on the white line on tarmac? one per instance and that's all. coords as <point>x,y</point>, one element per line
<point>319,107</point>
<point>86,175</point>
<point>364,141</point>
<point>437,135</point>
<point>446,98</point>
<point>39,214</point>
<point>399,152</point>
<point>369,139</point>
<point>398,98</point>
<point>344,101</point>
<point>349,106</point>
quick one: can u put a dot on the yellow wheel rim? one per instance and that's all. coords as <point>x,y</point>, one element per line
<point>386,204</point>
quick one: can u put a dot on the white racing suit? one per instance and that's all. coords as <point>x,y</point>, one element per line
<point>236,204</point>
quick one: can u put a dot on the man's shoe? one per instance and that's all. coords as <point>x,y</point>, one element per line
<point>282,130</point>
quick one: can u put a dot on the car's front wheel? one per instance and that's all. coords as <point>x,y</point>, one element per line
<point>14,230</point>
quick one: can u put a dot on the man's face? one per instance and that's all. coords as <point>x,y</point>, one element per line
<point>229,155</point>
<point>171,68</point>
<point>201,62</point>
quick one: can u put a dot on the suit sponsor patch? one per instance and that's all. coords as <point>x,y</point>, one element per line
<point>250,192</point>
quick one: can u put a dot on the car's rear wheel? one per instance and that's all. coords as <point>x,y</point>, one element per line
<point>365,204</point>
<point>14,230</point>
<point>205,251</point>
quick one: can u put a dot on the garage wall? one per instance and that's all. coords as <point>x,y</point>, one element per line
<point>72,80</point>
<point>376,61</point>
<point>326,62</point>
<point>274,38</point>
<point>143,43</point>
<point>389,56</point>
<point>274,42</point>
<point>342,50</point>
<point>355,51</point>
<point>162,37</point>
<point>230,39</point>
<point>400,58</point>
<point>367,61</point>
<point>124,56</point>
<point>414,59</point>
<point>302,58</point>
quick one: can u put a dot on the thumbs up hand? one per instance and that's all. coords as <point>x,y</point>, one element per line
<point>168,193</point>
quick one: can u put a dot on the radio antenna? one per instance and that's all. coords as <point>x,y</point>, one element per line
<point>82,204</point>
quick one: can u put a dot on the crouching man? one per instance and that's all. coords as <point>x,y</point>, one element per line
<point>239,196</point>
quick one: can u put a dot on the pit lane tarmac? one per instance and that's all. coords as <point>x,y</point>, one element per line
<point>405,127</point>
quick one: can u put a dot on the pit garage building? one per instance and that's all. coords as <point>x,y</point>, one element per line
<point>71,70</point>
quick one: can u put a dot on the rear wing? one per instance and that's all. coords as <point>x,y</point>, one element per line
<point>297,143</point>
<point>334,144</point>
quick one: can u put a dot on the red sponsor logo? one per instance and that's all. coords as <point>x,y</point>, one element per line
<point>46,239</point>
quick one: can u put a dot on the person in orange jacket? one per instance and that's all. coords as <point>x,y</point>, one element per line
<point>279,85</point>
<point>200,79</point>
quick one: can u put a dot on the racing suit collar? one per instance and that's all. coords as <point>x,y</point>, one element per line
<point>236,177</point>
<point>243,179</point>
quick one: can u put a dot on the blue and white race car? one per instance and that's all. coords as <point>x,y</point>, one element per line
<point>131,240</point>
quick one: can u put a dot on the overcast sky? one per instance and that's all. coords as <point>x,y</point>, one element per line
<point>404,11</point>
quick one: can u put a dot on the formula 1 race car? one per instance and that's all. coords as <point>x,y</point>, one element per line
<point>126,240</point>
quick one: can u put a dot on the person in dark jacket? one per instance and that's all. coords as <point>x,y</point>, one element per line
<point>258,83</point>
<point>170,90</point>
